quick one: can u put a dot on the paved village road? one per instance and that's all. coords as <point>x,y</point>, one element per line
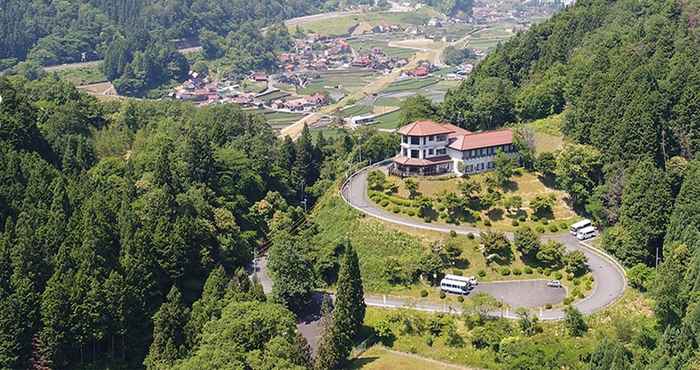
<point>609,276</point>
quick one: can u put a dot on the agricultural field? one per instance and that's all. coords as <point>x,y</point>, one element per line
<point>490,37</point>
<point>341,26</point>
<point>346,81</point>
<point>365,44</point>
<point>279,120</point>
<point>390,121</point>
<point>410,85</point>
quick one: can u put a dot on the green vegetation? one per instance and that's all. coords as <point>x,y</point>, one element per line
<point>82,76</point>
<point>149,211</point>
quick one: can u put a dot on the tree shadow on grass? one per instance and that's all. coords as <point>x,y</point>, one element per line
<point>495,214</point>
<point>548,181</point>
<point>462,263</point>
<point>510,186</point>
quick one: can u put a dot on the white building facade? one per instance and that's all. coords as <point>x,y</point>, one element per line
<point>430,148</point>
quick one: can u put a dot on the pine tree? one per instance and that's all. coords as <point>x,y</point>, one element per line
<point>168,335</point>
<point>350,305</point>
<point>306,164</point>
<point>208,307</point>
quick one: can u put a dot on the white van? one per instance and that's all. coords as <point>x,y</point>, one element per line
<point>468,279</point>
<point>455,286</point>
<point>580,225</point>
<point>587,233</point>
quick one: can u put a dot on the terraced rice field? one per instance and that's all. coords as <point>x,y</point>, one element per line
<point>347,81</point>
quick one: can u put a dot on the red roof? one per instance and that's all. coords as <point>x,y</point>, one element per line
<point>457,131</point>
<point>426,128</point>
<point>483,140</point>
<point>406,161</point>
<point>421,71</point>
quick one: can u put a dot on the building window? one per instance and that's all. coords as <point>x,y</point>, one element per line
<point>431,138</point>
<point>442,137</point>
<point>442,151</point>
<point>415,153</point>
<point>431,151</point>
<point>415,140</point>
<point>404,139</point>
<point>404,152</point>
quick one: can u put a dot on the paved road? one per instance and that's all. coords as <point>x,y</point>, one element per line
<point>609,276</point>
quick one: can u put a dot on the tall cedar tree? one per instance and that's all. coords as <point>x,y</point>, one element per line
<point>646,205</point>
<point>332,347</point>
<point>684,224</point>
<point>349,312</point>
<point>168,335</point>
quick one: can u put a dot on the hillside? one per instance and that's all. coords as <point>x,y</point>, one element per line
<point>625,71</point>
<point>624,75</point>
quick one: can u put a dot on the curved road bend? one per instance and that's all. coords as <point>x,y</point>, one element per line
<point>609,276</point>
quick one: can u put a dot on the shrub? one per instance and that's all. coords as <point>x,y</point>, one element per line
<point>558,275</point>
<point>563,226</point>
<point>423,293</point>
<point>515,223</point>
<point>411,212</point>
<point>577,282</point>
<point>539,229</point>
<point>575,292</point>
<point>517,271</point>
<point>396,209</point>
<point>487,222</point>
<point>442,295</point>
<point>384,203</point>
<point>481,273</point>
<point>553,228</point>
<point>457,272</point>
<point>429,340</point>
<point>460,299</point>
<point>545,221</point>
<point>522,218</point>
<point>540,270</point>
<point>440,208</point>
<point>505,271</point>
<point>470,236</point>
<point>548,306</point>
<point>527,270</point>
<point>453,234</point>
<point>568,300</point>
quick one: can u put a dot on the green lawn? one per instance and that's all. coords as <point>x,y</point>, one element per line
<point>389,121</point>
<point>379,358</point>
<point>83,76</point>
<point>548,134</point>
<point>365,45</point>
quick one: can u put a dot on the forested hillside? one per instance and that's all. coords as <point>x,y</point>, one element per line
<point>116,214</point>
<point>626,75</point>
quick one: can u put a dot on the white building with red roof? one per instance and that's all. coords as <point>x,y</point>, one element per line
<point>431,148</point>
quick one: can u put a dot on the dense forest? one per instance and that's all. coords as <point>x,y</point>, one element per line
<point>115,215</point>
<point>625,74</point>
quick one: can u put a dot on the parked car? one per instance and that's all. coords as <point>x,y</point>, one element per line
<point>554,284</point>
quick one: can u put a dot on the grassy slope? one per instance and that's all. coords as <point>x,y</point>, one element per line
<point>623,320</point>
<point>376,242</point>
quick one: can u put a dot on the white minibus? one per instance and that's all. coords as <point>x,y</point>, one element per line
<point>455,286</point>
<point>580,225</point>
<point>587,233</point>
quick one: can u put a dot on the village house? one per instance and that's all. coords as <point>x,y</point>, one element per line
<point>430,148</point>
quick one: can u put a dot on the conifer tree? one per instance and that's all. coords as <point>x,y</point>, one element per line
<point>646,204</point>
<point>349,312</point>
<point>684,223</point>
<point>331,351</point>
<point>168,335</point>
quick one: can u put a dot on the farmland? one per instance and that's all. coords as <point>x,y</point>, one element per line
<point>341,25</point>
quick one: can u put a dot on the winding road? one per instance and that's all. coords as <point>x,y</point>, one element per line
<point>610,281</point>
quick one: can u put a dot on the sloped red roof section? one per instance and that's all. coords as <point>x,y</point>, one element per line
<point>483,140</point>
<point>426,128</point>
